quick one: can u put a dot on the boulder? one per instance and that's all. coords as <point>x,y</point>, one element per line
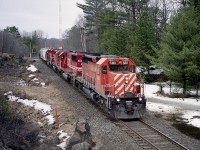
<point>6,56</point>
<point>81,139</point>
<point>82,146</point>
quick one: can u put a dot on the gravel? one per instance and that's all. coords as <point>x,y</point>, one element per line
<point>106,134</point>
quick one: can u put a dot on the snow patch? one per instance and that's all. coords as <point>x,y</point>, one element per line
<point>32,68</point>
<point>63,136</point>
<point>192,118</point>
<point>43,84</point>
<point>34,79</point>
<point>44,108</point>
<point>31,75</point>
<point>21,82</point>
<point>156,107</point>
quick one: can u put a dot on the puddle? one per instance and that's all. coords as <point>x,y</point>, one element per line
<point>181,124</point>
<point>188,129</point>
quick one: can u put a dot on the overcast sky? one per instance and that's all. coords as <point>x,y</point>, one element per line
<point>30,15</point>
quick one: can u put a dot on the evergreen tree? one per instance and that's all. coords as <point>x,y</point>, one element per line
<point>144,39</point>
<point>92,9</point>
<point>180,49</point>
<point>14,30</point>
<point>114,41</point>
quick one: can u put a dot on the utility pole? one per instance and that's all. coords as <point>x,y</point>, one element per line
<point>60,26</point>
<point>45,42</point>
<point>2,42</point>
<point>83,39</point>
<point>30,51</point>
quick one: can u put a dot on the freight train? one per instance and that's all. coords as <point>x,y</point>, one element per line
<point>109,80</point>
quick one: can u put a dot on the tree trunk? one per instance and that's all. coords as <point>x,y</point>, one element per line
<point>197,90</point>
<point>184,84</point>
<point>133,15</point>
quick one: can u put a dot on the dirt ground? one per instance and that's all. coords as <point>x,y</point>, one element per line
<point>16,78</point>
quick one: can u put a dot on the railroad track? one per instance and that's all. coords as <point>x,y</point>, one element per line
<point>148,137</point>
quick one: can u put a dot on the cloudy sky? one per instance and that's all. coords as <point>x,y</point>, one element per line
<point>30,15</point>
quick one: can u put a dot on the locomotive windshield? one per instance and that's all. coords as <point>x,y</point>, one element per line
<point>118,67</point>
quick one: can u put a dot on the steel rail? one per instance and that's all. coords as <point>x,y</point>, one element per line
<point>142,141</point>
<point>164,135</point>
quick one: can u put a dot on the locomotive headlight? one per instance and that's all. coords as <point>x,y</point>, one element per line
<point>140,99</point>
<point>126,80</point>
<point>118,99</point>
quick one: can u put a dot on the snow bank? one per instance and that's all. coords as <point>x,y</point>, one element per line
<point>150,92</point>
<point>189,117</point>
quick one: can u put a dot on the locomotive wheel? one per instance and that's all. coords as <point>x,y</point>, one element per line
<point>69,79</point>
<point>102,101</point>
<point>77,84</point>
<point>80,86</point>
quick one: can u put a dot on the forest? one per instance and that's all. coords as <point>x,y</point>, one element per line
<point>163,33</point>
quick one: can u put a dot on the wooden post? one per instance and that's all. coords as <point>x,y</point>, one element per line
<point>57,121</point>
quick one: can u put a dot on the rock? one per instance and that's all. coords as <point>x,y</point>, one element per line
<point>82,126</point>
<point>30,132</point>
<point>76,138</point>
<point>6,56</point>
<point>52,140</point>
<point>82,137</point>
<point>82,146</point>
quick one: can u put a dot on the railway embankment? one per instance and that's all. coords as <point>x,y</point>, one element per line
<point>21,126</point>
<point>33,114</point>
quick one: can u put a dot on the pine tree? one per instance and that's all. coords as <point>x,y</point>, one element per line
<point>179,49</point>
<point>114,41</point>
<point>92,9</point>
<point>144,38</point>
<point>14,30</point>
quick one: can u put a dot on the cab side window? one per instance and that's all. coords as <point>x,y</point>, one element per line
<point>98,70</point>
<point>132,69</point>
<point>104,69</point>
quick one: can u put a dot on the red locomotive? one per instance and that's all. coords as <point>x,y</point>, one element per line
<point>108,79</point>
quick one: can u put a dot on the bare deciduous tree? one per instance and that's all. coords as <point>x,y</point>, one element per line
<point>11,44</point>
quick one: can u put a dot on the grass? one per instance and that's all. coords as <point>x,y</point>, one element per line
<point>5,112</point>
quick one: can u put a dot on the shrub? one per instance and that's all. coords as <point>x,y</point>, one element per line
<point>5,112</point>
